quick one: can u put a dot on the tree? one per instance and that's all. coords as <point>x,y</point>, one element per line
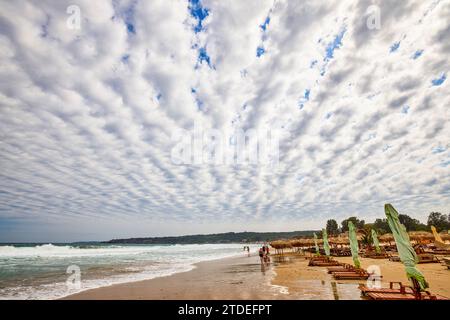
<point>411,224</point>
<point>332,227</point>
<point>359,224</point>
<point>381,226</point>
<point>439,220</point>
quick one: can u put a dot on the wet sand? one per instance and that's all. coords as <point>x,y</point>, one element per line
<point>288,277</point>
<point>231,278</point>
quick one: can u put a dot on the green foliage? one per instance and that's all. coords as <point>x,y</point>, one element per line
<point>332,227</point>
<point>439,220</point>
<point>411,224</point>
<point>381,226</point>
<point>359,224</point>
<point>230,237</point>
<point>366,239</point>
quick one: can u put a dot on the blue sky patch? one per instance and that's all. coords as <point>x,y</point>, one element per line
<point>128,18</point>
<point>265,24</point>
<point>125,58</point>
<point>394,47</point>
<point>199,13</point>
<point>260,51</point>
<point>439,81</point>
<point>304,99</point>
<point>335,44</point>
<point>445,164</point>
<point>417,54</point>
<point>405,109</point>
<point>203,56</point>
<point>438,149</point>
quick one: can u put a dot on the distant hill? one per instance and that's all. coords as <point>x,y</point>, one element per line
<point>229,237</point>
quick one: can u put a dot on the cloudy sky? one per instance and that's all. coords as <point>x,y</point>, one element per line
<point>92,93</point>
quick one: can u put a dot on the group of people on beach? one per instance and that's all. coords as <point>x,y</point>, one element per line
<point>264,254</point>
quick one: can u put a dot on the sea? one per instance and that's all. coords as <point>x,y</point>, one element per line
<point>52,271</point>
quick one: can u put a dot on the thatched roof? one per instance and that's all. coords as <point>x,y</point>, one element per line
<point>281,244</point>
<point>445,235</point>
<point>387,237</point>
<point>339,240</point>
<point>420,235</point>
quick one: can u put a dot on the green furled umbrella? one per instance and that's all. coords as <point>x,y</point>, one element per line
<point>375,241</point>
<point>405,250</point>
<point>353,244</point>
<point>326,246</point>
<point>317,246</point>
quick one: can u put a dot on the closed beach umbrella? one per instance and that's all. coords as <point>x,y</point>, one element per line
<point>405,250</point>
<point>326,246</point>
<point>436,235</point>
<point>317,246</point>
<point>375,241</point>
<point>353,244</point>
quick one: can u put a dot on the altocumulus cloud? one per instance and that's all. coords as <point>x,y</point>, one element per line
<point>87,114</point>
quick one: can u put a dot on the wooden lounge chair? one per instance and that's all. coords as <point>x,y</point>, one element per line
<point>323,262</point>
<point>358,274</point>
<point>342,268</point>
<point>394,258</point>
<point>401,289</point>
<point>403,293</point>
<point>427,258</point>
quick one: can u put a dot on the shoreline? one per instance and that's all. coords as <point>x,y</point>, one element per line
<point>243,278</point>
<point>221,278</point>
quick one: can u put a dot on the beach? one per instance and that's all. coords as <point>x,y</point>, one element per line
<point>295,275</point>
<point>287,277</point>
<point>229,278</point>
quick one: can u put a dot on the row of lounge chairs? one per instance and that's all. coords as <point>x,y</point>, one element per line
<point>348,272</point>
<point>396,290</point>
<point>340,271</point>
<point>423,258</point>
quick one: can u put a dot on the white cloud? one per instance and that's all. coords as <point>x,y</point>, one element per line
<point>87,115</point>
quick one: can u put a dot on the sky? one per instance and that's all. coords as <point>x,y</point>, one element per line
<point>95,97</point>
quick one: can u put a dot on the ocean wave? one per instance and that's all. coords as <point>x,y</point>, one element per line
<point>37,272</point>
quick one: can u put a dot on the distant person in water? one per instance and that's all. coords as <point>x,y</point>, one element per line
<point>266,256</point>
<point>261,255</point>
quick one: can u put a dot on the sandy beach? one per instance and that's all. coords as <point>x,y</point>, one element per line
<point>230,278</point>
<point>288,277</point>
<point>296,275</point>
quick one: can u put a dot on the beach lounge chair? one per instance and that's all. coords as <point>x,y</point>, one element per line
<point>357,274</point>
<point>342,268</point>
<point>401,289</point>
<point>324,264</point>
<point>394,258</point>
<point>323,261</point>
<point>427,258</point>
<point>402,293</point>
